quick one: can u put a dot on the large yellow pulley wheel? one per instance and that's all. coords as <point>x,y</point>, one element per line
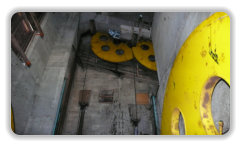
<point>144,53</point>
<point>12,120</point>
<point>103,46</point>
<point>202,61</point>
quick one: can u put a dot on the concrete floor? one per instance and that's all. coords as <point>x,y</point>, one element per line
<point>107,118</point>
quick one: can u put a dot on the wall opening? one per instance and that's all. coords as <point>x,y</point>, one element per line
<point>181,125</point>
<point>221,105</point>
<point>177,123</point>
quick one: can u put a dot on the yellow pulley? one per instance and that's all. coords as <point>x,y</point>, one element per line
<point>144,53</point>
<point>202,61</point>
<point>104,47</point>
<point>12,120</point>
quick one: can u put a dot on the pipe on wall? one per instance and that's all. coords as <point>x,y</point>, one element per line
<point>58,108</point>
<point>155,115</point>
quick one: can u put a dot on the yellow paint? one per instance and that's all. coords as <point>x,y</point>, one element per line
<point>111,54</point>
<point>202,61</point>
<point>221,124</point>
<point>12,121</point>
<point>143,55</point>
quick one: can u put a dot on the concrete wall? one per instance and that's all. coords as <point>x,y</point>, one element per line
<point>39,87</point>
<point>24,80</point>
<point>108,118</point>
<point>22,92</point>
<point>39,49</point>
<point>44,112</point>
<point>105,21</point>
<point>169,31</point>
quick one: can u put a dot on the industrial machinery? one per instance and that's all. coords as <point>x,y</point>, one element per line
<point>110,50</point>
<point>105,48</point>
<point>145,55</point>
<point>203,60</point>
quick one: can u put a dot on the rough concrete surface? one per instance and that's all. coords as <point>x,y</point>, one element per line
<point>35,108</point>
<point>22,92</point>
<point>106,118</point>
<point>221,105</point>
<point>48,95</point>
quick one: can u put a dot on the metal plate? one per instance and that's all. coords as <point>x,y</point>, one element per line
<point>144,53</point>
<point>106,96</point>
<point>202,61</point>
<point>84,96</point>
<point>142,98</point>
<point>112,54</point>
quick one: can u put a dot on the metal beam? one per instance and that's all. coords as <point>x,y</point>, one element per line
<point>17,47</point>
<point>36,23</point>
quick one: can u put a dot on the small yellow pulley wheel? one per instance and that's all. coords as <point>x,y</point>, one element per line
<point>104,47</point>
<point>202,61</point>
<point>144,53</point>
